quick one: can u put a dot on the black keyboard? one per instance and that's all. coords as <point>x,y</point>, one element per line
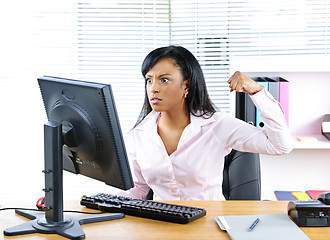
<point>143,208</point>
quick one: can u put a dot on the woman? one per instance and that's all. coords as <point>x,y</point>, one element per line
<point>178,144</point>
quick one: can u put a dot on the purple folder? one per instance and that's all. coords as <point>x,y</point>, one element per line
<point>284,97</point>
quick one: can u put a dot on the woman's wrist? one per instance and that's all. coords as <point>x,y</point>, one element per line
<point>257,89</point>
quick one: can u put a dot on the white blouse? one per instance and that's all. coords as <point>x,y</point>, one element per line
<point>194,170</point>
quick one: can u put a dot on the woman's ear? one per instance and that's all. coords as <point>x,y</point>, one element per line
<point>186,85</point>
<point>186,88</point>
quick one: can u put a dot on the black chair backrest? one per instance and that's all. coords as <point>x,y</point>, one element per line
<point>150,195</point>
<point>241,176</point>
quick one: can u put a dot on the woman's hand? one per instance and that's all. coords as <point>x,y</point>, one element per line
<point>242,83</point>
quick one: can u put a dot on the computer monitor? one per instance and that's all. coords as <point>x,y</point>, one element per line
<point>93,141</point>
<point>83,136</point>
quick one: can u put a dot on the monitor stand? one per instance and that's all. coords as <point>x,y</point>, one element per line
<point>53,221</point>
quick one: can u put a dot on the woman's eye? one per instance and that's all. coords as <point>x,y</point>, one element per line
<point>148,80</point>
<point>165,80</point>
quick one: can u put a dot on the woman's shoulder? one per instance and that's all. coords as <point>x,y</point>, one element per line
<point>219,115</point>
<point>213,118</point>
<point>148,122</point>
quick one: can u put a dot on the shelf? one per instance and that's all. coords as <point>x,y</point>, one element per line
<point>321,143</point>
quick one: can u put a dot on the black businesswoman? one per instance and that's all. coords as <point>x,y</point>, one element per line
<point>177,145</point>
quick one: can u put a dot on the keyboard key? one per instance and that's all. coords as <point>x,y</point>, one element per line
<point>143,208</point>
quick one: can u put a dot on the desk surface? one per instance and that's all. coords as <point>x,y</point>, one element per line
<point>131,228</point>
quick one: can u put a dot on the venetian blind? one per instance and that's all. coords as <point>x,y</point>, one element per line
<point>220,31</point>
<point>295,27</point>
<point>115,36</point>
<point>106,41</point>
<point>113,39</point>
<point>202,27</point>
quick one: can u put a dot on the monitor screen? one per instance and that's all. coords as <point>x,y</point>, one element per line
<point>93,144</point>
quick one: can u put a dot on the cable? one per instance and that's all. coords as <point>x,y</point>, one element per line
<point>42,210</point>
<point>72,211</point>
<point>29,209</point>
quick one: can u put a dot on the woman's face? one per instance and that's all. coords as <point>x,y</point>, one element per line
<point>165,87</point>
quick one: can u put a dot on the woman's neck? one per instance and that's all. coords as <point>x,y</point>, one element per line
<point>174,120</point>
<point>170,128</point>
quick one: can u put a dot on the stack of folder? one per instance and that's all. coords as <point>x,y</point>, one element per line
<point>278,88</point>
<point>298,195</point>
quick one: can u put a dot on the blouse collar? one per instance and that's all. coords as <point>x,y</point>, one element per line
<point>150,122</point>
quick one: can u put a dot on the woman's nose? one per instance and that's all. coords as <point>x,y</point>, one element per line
<point>154,87</point>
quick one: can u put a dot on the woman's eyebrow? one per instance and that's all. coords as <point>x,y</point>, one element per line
<point>165,74</point>
<point>162,75</point>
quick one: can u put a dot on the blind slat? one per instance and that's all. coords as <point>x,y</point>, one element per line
<point>106,41</point>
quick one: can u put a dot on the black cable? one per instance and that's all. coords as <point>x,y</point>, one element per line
<point>72,211</point>
<point>42,210</point>
<point>29,209</point>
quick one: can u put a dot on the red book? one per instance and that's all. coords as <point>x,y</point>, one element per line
<point>314,193</point>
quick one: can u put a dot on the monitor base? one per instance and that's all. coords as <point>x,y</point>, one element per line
<point>69,228</point>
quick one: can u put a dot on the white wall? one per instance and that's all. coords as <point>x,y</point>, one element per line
<point>301,170</point>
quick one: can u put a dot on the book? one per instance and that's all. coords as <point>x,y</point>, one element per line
<point>270,226</point>
<point>284,87</point>
<point>278,87</point>
<point>273,87</point>
<point>259,122</point>
<point>315,193</point>
<point>245,109</point>
<point>325,128</point>
<point>301,195</point>
<point>308,139</point>
<point>284,195</point>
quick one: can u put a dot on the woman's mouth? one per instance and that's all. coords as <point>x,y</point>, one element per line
<point>154,100</point>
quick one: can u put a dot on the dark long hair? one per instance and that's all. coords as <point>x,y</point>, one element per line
<point>197,101</point>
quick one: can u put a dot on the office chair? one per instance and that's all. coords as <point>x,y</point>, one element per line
<point>150,195</point>
<point>241,176</point>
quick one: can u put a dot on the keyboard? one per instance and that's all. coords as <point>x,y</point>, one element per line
<point>143,208</point>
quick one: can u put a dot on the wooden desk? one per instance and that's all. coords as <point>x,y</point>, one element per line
<point>131,228</point>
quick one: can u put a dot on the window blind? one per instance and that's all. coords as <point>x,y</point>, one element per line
<point>201,26</point>
<point>296,27</point>
<point>115,36</point>
<point>106,41</point>
<point>113,39</point>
